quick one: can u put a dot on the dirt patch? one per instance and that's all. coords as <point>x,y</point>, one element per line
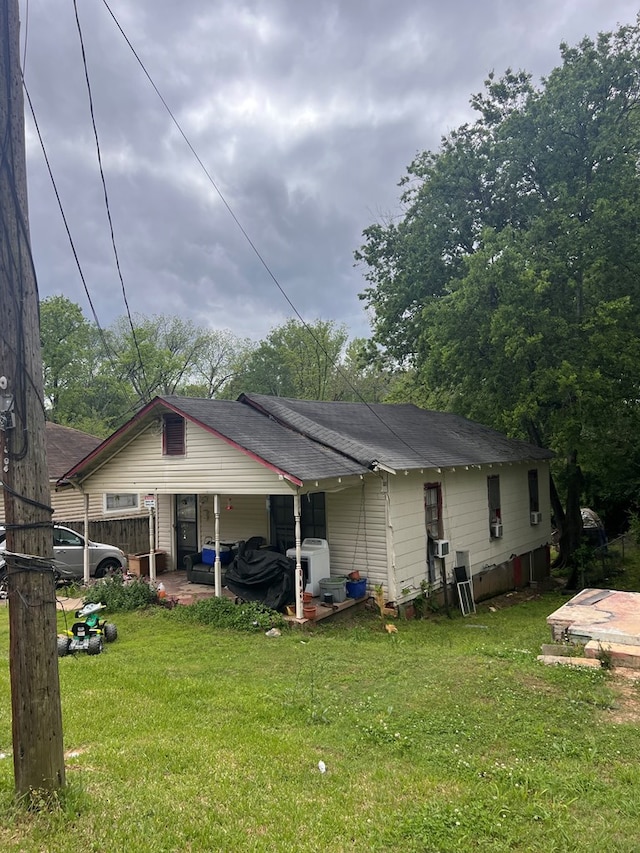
<point>625,685</point>
<point>510,599</point>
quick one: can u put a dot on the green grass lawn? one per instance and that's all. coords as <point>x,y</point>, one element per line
<point>447,736</point>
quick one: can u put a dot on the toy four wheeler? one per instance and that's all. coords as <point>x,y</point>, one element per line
<point>89,634</point>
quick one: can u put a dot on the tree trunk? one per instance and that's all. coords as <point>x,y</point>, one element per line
<point>571,530</point>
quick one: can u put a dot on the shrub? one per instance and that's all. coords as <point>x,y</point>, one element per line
<point>224,613</point>
<point>120,595</point>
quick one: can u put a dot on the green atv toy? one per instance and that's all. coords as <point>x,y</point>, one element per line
<point>88,635</point>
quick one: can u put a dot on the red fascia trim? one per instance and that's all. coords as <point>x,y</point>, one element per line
<point>123,429</point>
<point>159,401</point>
<point>248,453</point>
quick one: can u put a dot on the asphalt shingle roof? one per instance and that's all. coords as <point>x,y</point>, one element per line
<point>278,445</point>
<point>65,447</point>
<point>400,436</point>
<point>312,440</point>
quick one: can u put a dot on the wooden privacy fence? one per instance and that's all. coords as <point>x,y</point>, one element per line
<point>129,534</point>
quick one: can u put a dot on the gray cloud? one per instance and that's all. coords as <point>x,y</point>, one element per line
<point>305,115</point>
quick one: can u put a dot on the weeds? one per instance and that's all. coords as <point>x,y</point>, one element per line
<point>120,594</point>
<point>224,613</point>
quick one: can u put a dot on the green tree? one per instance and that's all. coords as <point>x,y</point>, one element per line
<point>510,290</point>
<point>294,360</point>
<point>67,353</point>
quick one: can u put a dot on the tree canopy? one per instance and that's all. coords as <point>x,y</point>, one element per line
<point>509,291</point>
<point>96,379</point>
<point>310,361</point>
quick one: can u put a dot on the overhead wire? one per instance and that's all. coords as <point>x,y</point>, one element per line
<point>242,229</point>
<point>107,205</point>
<point>65,221</point>
<point>110,354</point>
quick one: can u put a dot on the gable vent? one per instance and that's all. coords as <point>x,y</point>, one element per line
<point>173,436</point>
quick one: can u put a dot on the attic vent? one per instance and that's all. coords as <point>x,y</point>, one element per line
<point>173,436</point>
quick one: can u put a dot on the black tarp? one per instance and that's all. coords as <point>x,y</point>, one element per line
<point>261,575</point>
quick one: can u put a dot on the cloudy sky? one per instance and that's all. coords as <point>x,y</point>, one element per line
<point>305,115</point>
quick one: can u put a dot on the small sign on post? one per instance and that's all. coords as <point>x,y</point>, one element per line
<point>150,502</point>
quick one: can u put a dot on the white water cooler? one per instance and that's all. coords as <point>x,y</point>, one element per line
<point>314,559</point>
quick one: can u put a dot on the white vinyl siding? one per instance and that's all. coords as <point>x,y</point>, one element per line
<point>249,517</point>
<point>165,530</point>
<point>210,465</point>
<point>356,532</point>
<point>407,519</point>
<point>466,514</point>
<point>68,505</point>
<point>464,519</point>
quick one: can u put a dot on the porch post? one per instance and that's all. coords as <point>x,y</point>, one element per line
<point>216,535</point>
<point>296,513</point>
<point>86,571</point>
<point>152,547</point>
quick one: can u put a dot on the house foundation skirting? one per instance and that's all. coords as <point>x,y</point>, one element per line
<point>528,569</point>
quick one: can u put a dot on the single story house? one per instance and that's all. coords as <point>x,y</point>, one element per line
<point>401,494</point>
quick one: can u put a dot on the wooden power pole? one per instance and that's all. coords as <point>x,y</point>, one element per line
<point>38,754</point>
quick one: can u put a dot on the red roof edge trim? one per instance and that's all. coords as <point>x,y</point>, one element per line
<point>244,450</point>
<point>108,441</point>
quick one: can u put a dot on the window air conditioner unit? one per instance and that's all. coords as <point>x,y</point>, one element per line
<point>496,529</point>
<point>536,517</point>
<point>442,547</point>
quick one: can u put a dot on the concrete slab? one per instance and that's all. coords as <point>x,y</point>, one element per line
<point>563,660</point>
<point>620,653</point>
<point>607,615</point>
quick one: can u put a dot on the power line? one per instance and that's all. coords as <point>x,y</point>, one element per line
<point>106,200</point>
<point>64,219</point>
<point>243,231</point>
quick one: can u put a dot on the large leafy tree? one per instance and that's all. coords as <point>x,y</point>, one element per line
<point>96,379</point>
<point>510,289</point>
<point>294,360</point>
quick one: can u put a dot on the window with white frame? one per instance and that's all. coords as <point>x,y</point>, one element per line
<point>114,502</point>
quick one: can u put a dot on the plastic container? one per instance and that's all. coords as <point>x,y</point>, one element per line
<point>337,587</point>
<point>357,589</point>
<point>209,555</point>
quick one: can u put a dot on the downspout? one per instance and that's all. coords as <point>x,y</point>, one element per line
<point>298,576</point>
<point>216,536</point>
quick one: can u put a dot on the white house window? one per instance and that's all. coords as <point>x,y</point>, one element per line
<point>114,502</point>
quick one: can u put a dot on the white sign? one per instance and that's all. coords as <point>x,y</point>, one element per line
<point>150,501</point>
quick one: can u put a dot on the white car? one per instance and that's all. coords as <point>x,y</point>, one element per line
<point>68,555</point>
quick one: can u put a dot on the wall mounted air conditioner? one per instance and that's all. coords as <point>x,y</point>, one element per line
<point>442,547</point>
<point>536,517</point>
<point>496,529</point>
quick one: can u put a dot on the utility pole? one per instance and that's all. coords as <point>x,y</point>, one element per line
<point>38,755</point>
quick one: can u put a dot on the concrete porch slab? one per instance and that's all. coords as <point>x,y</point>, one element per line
<point>606,615</point>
